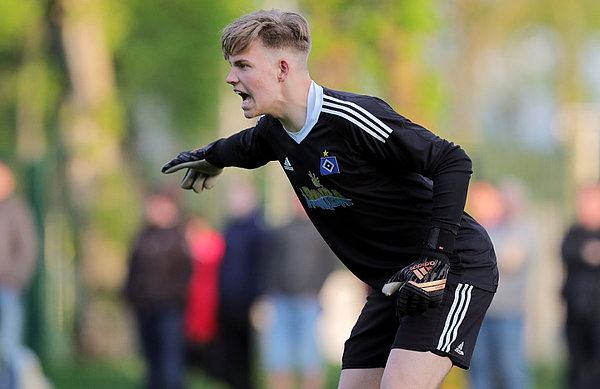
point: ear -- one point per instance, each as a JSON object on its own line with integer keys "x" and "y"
{"x": 284, "y": 70}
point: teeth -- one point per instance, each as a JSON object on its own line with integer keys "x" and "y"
{"x": 243, "y": 95}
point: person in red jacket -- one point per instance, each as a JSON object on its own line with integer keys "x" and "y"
{"x": 207, "y": 247}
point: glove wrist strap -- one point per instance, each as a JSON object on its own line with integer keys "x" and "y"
{"x": 440, "y": 239}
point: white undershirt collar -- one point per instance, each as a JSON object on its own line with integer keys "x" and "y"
{"x": 314, "y": 103}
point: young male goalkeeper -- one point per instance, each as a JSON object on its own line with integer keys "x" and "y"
{"x": 386, "y": 194}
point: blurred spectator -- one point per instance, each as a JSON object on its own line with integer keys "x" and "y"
{"x": 298, "y": 263}
{"x": 156, "y": 287}
{"x": 240, "y": 278}
{"x": 201, "y": 323}
{"x": 18, "y": 247}
{"x": 581, "y": 291}
{"x": 499, "y": 359}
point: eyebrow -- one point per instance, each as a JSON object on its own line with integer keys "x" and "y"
{"x": 240, "y": 62}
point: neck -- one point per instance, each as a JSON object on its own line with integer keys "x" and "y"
{"x": 295, "y": 95}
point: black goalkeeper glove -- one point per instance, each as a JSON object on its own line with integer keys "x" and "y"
{"x": 200, "y": 175}
{"x": 420, "y": 285}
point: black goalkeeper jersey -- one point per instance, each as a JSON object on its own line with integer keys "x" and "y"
{"x": 373, "y": 183}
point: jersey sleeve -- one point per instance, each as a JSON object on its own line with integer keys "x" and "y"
{"x": 407, "y": 147}
{"x": 247, "y": 149}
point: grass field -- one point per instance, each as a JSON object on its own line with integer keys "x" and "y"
{"x": 126, "y": 374}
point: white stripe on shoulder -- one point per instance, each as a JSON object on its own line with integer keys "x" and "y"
{"x": 352, "y": 111}
{"x": 360, "y": 109}
{"x": 351, "y": 119}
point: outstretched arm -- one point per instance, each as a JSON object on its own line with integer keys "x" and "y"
{"x": 247, "y": 149}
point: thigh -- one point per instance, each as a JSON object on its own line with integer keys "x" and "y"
{"x": 361, "y": 378}
{"x": 408, "y": 369}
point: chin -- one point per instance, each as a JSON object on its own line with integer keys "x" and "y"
{"x": 251, "y": 113}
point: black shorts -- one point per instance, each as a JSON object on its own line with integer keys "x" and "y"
{"x": 449, "y": 330}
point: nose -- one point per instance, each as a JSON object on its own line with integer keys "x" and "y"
{"x": 231, "y": 78}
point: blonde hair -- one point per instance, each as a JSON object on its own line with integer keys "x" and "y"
{"x": 276, "y": 29}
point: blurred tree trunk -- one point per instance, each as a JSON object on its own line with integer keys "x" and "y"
{"x": 92, "y": 125}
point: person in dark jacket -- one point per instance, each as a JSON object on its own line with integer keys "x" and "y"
{"x": 240, "y": 283}
{"x": 581, "y": 291}
{"x": 156, "y": 288}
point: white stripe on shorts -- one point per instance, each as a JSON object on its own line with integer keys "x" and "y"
{"x": 458, "y": 310}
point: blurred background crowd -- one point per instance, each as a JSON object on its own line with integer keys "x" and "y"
{"x": 111, "y": 277}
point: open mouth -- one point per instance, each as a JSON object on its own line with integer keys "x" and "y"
{"x": 244, "y": 96}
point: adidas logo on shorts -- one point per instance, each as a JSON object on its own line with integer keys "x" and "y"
{"x": 459, "y": 349}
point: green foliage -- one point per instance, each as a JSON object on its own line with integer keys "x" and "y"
{"x": 16, "y": 19}
{"x": 173, "y": 50}
{"x": 377, "y": 41}
{"x": 116, "y": 221}
{"x": 118, "y": 22}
